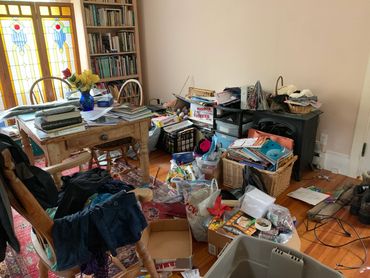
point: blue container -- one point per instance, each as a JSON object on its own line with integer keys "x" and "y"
{"x": 86, "y": 101}
{"x": 224, "y": 140}
{"x": 183, "y": 158}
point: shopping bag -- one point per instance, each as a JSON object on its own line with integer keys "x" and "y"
{"x": 197, "y": 202}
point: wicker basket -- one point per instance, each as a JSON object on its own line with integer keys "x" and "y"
{"x": 297, "y": 109}
{"x": 233, "y": 173}
{"x": 200, "y": 92}
{"x": 275, "y": 182}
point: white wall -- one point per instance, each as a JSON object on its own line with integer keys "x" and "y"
{"x": 321, "y": 45}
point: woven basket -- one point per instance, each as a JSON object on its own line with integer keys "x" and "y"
{"x": 297, "y": 109}
{"x": 275, "y": 182}
{"x": 200, "y": 92}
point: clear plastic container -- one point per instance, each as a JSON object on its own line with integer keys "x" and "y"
{"x": 232, "y": 129}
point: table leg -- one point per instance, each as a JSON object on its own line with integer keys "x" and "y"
{"x": 144, "y": 153}
{"x": 26, "y": 145}
{"x": 54, "y": 154}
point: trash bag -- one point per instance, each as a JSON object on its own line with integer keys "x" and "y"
{"x": 197, "y": 201}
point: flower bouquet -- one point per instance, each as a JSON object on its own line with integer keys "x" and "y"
{"x": 83, "y": 82}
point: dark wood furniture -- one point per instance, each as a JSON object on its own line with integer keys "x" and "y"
{"x": 299, "y": 127}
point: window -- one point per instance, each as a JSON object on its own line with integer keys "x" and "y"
{"x": 37, "y": 39}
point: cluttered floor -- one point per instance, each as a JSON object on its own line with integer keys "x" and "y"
{"x": 335, "y": 243}
{"x": 326, "y": 243}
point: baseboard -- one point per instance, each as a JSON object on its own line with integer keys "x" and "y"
{"x": 338, "y": 163}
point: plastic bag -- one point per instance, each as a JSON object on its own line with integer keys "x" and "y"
{"x": 197, "y": 200}
{"x": 280, "y": 217}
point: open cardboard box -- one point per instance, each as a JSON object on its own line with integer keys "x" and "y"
{"x": 169, "y": 243}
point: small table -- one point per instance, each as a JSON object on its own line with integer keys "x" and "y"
{"x": 57, "y": 149}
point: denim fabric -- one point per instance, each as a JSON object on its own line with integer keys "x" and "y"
{"x": 106, "y": 226}
{"x": 80, "y": 186}
{"x": 119, "y": 220}
{"x": 71, "y": 239}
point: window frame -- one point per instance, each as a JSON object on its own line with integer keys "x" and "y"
{"x": 8, "y": 91}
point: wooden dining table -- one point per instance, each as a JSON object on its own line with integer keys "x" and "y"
{"x": 56, "y": 149}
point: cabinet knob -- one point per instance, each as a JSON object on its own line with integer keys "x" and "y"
{"x": 104, "y": 137}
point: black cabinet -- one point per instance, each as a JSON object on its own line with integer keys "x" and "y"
{"x": 299, "y": 127}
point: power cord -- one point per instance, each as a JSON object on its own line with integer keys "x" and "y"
{"x": 340, "y": 222}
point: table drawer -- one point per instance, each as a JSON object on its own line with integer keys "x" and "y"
{"x": 93, "y": 138}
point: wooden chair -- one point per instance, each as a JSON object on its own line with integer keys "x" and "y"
{"x": 123, "y": 144}
{"x": 25, "y": 203}
{"x": 56, "y": 84}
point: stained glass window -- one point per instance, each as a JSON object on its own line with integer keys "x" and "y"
{"x": 21, "y": 54}
{"x": 59, "y": 45}
{"x": 24, "y": 62}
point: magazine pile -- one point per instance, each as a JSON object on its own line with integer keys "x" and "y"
{"x": 259, "y": 152}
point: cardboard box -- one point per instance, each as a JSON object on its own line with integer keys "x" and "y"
{"x": 218, "y": 241}
{"x": 169, "y": 243}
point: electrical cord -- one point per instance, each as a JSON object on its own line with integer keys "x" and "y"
{"x": 340, "y": 222}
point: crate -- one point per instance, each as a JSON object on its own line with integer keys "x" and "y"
{"x": 179, "y": 141}
{"x": 275, "y": 182}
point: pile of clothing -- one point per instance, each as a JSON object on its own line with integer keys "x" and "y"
{"x": 92, "y": 214}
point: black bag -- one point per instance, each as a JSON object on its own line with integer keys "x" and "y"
{"x": 37, "y": 181}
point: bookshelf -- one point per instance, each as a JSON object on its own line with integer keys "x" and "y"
{"x": 112, "y": 39}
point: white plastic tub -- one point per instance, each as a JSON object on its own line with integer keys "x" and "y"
{"x": 257, "y": 258}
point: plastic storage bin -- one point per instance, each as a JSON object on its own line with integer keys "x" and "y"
{"x": 234, "y": 122}
{"x": 232, "y": 129}
{"x": 207, "y": 167}
{"x": 257, "y": 258}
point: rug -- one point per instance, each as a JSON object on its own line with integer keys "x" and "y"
{"x": 24, "y": 264}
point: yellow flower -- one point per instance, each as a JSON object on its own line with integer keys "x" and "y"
{"x": 84, "y": 81}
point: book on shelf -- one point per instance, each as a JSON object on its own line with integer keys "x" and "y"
{"x": 106, "y": 40}
{"x": 112, "y": 66}
{"x": 40, "y": 123}
{"x": 113, "y": 16}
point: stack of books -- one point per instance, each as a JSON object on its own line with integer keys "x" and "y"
{"x": 131, "y": 112}
{"x": 260, "y": 153}
{"x": 59, "y": 121}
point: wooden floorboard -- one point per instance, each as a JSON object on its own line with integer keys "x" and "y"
{"x": 330, "y": 233}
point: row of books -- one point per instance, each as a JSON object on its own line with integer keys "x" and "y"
{"x": 109, "y": 16}
{"x": 112, "y": 66}
{"x": 124, "y": 41}
{"x": 267, "y": 155}
{"x": 59, "y": 121}
{"x": 129, "y": 112}
{"x": 113, "y": 1}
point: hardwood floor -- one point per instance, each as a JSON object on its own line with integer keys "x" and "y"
{"x": 330, "y": 233}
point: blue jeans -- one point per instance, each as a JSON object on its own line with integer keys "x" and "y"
{"x": 116, "y": 222}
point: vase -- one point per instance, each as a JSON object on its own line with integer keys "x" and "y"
{"x": 86, "y": 101}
